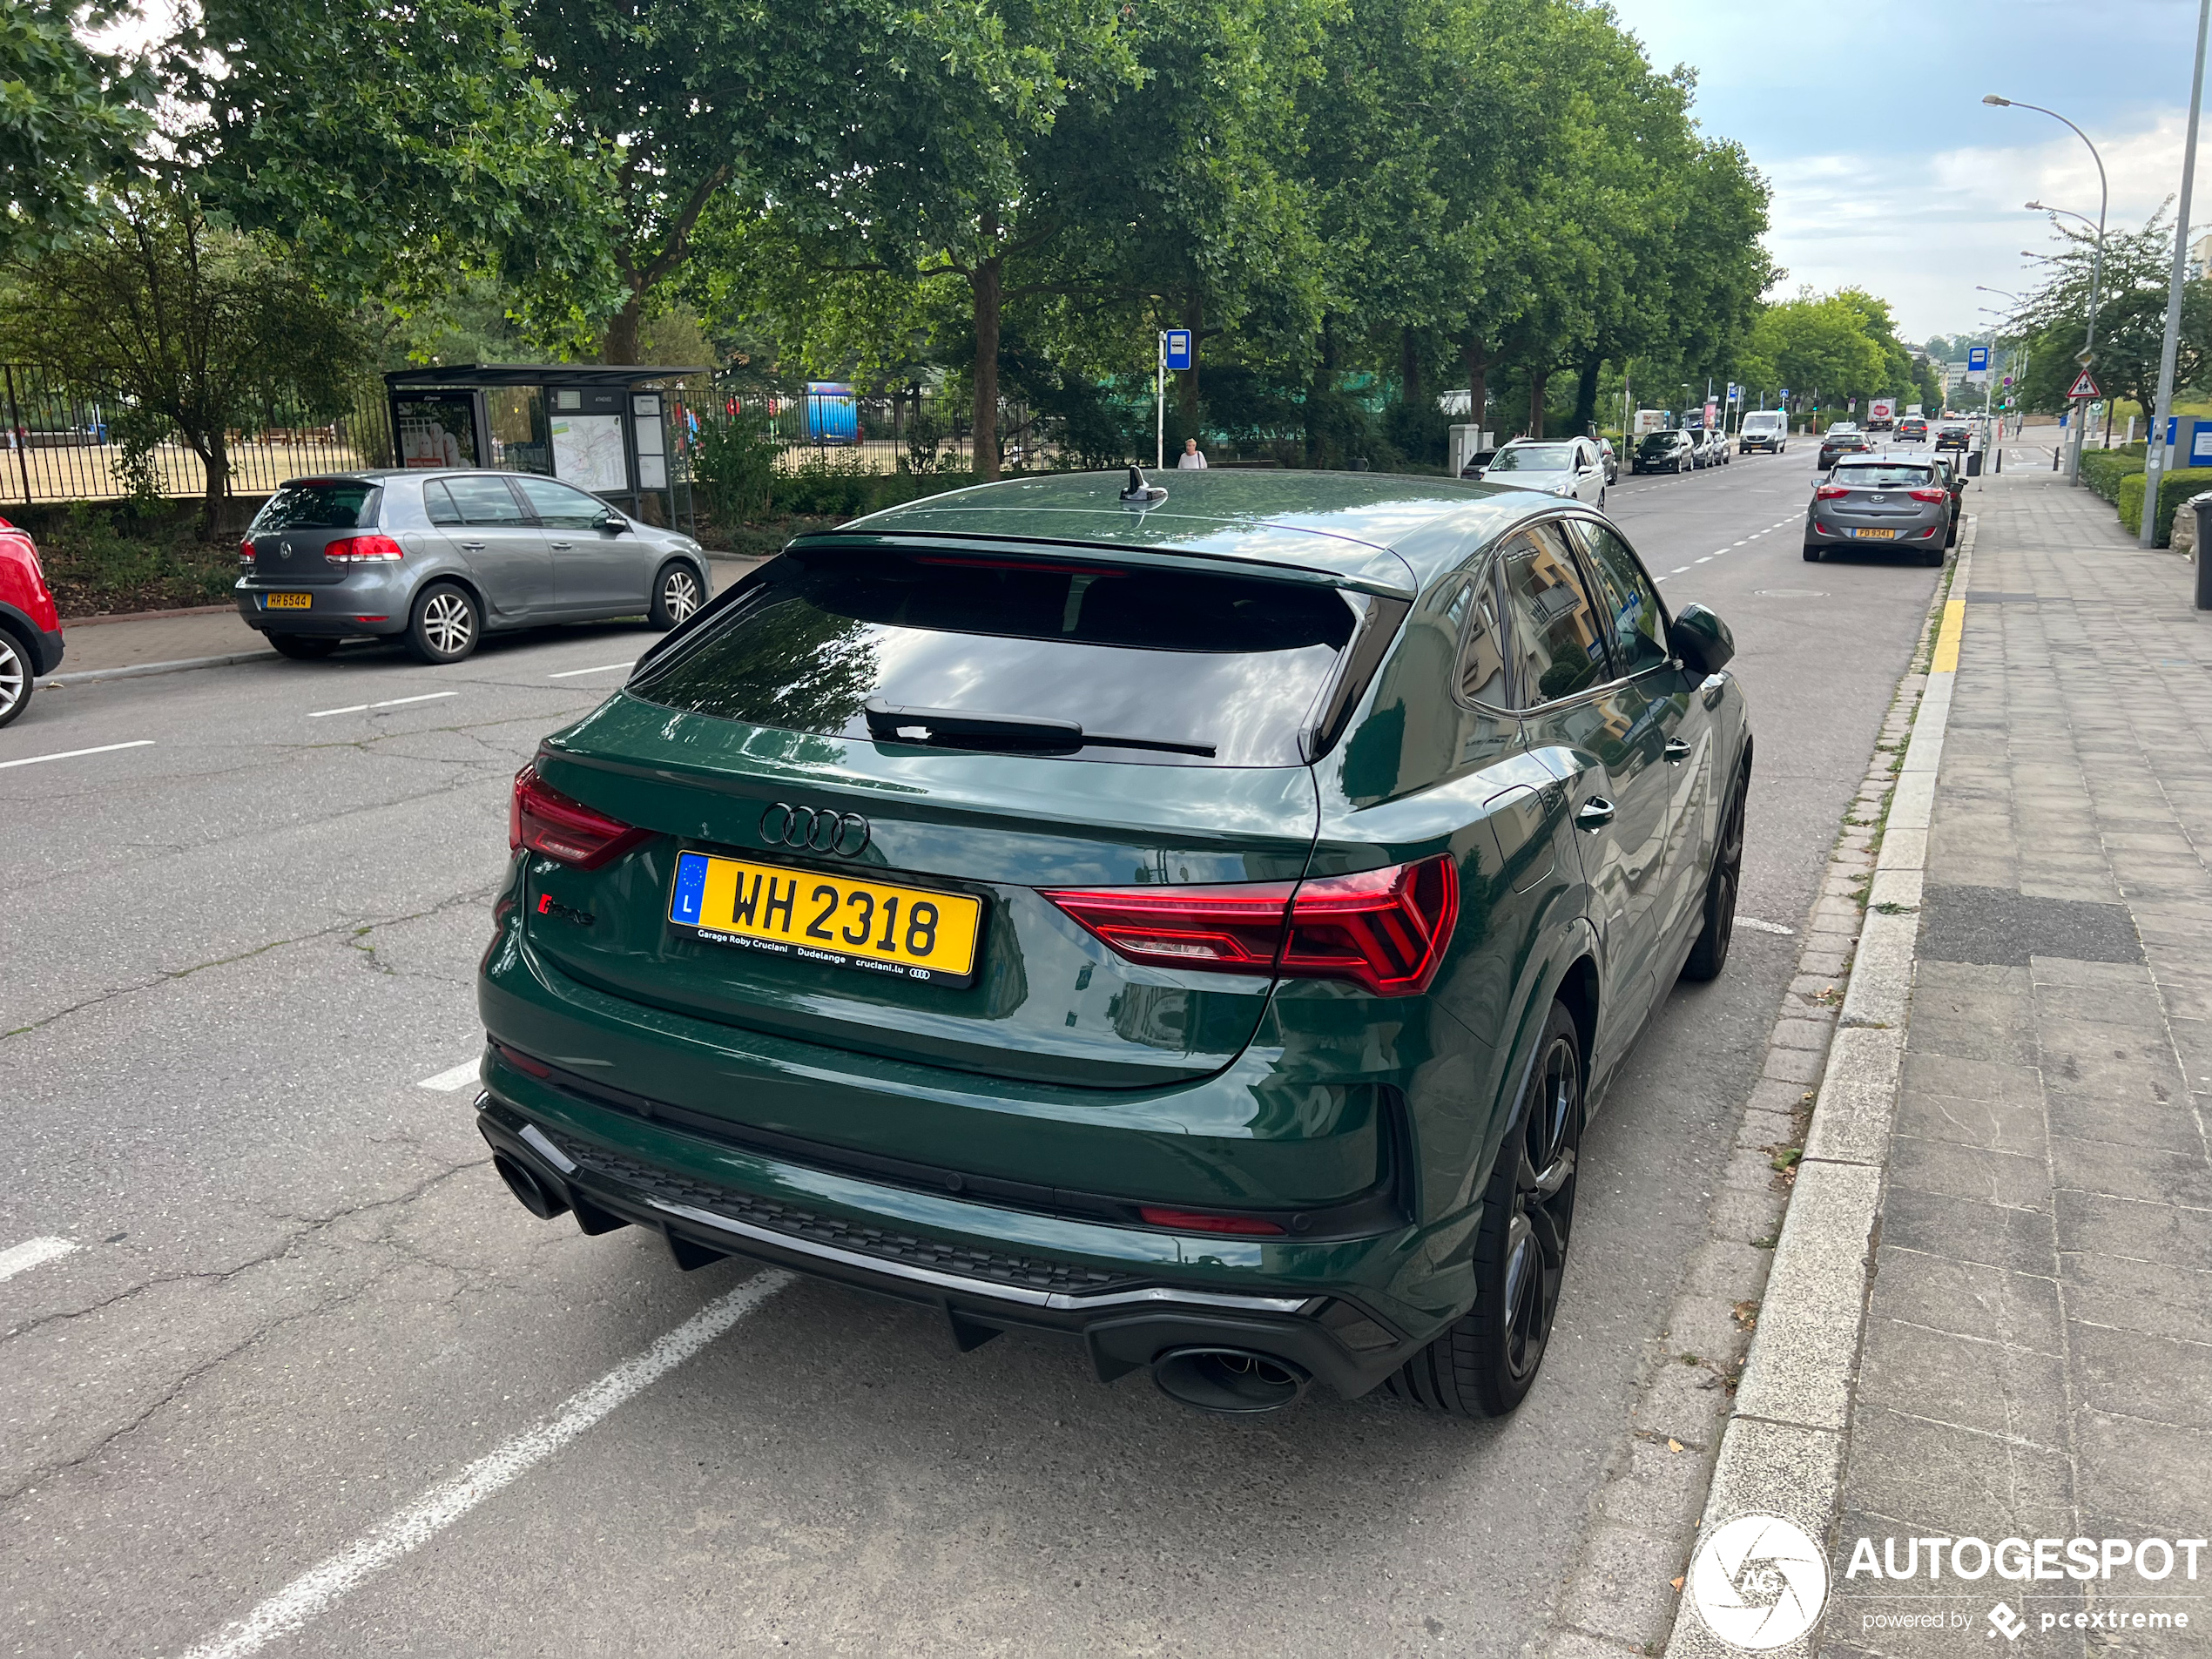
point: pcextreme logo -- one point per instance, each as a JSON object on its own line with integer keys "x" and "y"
{"x": 1758, "y": 1581}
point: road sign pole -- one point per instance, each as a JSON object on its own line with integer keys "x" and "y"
{"x": 1160, "y": 405}
{"x": 2155, "y": 451}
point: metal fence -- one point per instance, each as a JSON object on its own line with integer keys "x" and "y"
{"x": 869, "y": 432}
{"x": 59, "y": 446}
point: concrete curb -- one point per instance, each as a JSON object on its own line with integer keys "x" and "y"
{"x": 139, "y": 670}
{"x": 1781, "y": 1453}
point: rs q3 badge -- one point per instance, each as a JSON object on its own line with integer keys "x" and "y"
{"x": 814, "y": 829}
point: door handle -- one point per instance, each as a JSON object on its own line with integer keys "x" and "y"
{"x": 1676, "y": 752}
{"x": 472, "y": 547}
{"x": 1596, "y": 813}
{"x": 561, "y": 547}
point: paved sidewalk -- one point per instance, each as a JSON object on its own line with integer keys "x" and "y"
{"x": 2038, "y": 1350}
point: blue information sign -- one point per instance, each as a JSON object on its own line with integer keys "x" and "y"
{"x": 1178, "y": 348}
{"x": 1976, "y": 359}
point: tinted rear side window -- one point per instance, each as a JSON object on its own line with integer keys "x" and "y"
{"x": 1234, "y": 663}
{"x": 334, "y": 503}
{"x": 1556, "y": 634}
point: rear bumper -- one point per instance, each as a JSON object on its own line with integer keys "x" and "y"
{"x": 1918, "y": 533}
{"x": 1125, "y": 1314}
{"x": 47, "y": 650}
{"x": 373, "y": 601}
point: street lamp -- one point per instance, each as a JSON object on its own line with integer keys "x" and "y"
{"x": 2096, "y": 263}
{"x": 2155, "y": 450}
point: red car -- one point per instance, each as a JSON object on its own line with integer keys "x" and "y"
{"x": 31, "y": 626}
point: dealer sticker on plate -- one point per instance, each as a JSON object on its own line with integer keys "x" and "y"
{"x": 812, "y": 915}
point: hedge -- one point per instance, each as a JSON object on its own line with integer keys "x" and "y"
{"x": 2103, "y": 469}
{"x": 2173, "y": 489}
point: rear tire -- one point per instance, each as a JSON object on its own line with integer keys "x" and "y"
{"x": 1486, "y": 1361}
{"x": 444, "y": 624}
{"x": 302, "y": 648}
{"x": 1710, "y": 954}
{"x": 1932, "y": 556}
{"x": 1812, "y": 553}
{"x": 677, "y": 594}
{"x": 16, "y": 680}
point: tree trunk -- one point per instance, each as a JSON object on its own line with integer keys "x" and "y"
{"x": 1478, "y": 362}
{"x": 1586, "y": 394}
{"x": 985, "y": 285}
{"x": 1324, "y": 378}
{"x": 1194, "y": 311}
{"x": 621, "y": 344}
{"x": 215, "y": 460}
{"x": 1409, "y": 369}
{"x": 1537, "y": 377}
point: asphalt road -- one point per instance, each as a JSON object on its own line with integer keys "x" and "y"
{"x": 307, "y": 1376}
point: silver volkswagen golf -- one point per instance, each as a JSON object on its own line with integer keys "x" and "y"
{"x": 443, "y": 557}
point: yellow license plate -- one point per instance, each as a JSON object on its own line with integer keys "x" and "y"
{"x": 812, "y": 915}
{"x": 289, "y": 601}
{"x": 1875, "y": 536}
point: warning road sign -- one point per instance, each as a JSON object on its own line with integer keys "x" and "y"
{"x": 2083, "y": 387}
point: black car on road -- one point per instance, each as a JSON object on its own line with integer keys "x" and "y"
{"x": 1668, "y": 451}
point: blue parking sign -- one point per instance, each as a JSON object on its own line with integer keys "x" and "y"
{"x": 1178, "y": 348}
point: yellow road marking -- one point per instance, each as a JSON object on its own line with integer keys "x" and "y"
{"x": 1947, "y": 645}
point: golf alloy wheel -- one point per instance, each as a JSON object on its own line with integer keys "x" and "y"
{"x": 16, "y": 679}
{"x": 445, "y": 626}
{"x": 677, "y": 595}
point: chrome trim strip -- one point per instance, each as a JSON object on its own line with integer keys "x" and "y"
{"x": 544, "y": 1148}
{"x": 1058, "y": 1301}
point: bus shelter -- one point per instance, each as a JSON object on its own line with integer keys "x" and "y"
{"x": 609, "y": 429}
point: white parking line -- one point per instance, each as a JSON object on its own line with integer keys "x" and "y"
{"x": 438, "y": 1508}
{"x": 72, "y": 754}
{"x": 1765, "y": 927}
{"x": 21, "y": 1258}
{"x": 460, "y": 1077}
{"x": 571, "y": 674}
{"x": 388, "y": 703}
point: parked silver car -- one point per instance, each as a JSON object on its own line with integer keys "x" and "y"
{"x": 1890, "y": 500}
{"x": 1571, "y": 467}
{"x": 444, "y": 556}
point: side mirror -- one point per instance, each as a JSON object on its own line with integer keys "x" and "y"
{"x": 1702, "y": 640}
{"x": 614, "y": 521}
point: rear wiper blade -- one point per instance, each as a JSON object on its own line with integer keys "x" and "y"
{"x": 893, "y": 722}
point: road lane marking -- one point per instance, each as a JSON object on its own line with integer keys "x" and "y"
{"x": 1678, "y": 570}
{"x": 32, "y": 1252}
{"x": 72, "y": 754}
{"x": 388, "y": 703}
{"x": 571, "y": 674}
{"x": 1708, "y": 559}
{"x": 460, "y": 1077}
{"x": 1765, "y": 927}
{"x": 331, "y": 1581}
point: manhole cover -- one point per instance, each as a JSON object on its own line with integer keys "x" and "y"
{"x": 1792, "y": 593}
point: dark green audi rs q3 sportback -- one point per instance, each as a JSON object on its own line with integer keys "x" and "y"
{"x": 1198, "y": 920}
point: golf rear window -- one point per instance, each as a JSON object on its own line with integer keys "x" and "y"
{"x": 337, "y": 503}
{"x": 1234, "y": 663}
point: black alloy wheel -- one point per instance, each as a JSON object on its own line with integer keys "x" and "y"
{"x": 444, "y": 624}
{"x": 676, "y": 594}
{"x": 16, "y": 681}
{"x": 1710, "y": 954}
{"x": 1485, "y": 1362}
{"x": 303, "y": 648}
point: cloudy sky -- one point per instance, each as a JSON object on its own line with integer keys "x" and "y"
{"x": 1889, "y": 172}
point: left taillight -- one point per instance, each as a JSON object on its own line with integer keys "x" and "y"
{"x": 1384, "y": 930}
{"x": 245, "y": 550}
{"x": 540, "y": 817}
{"x": 364, "y": 550}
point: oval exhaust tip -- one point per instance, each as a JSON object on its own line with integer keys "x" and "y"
{"x": 528, "y": 1190}
{"x": 1235, "y": 1381}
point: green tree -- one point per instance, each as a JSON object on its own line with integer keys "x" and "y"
{"x": 184, "y": 326}
{"x": 71, "y": 118}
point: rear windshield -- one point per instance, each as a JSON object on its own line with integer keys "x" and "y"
{"x": 1231, "y": 664}
{"x": 1534, "y": 457}
{"x": 332, "y": 503}
{"x": 1658, "y": 440}
{"x": 1866, "y": 477}
{"x": 1761, "y": 421}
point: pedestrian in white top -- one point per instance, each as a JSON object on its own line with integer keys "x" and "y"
{"x": 1190, "y": 460}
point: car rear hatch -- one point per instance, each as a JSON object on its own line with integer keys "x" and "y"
{"x": 1878, "y": 495}
{"x": 291, "y": 536}
{"x": 862, "y": 733}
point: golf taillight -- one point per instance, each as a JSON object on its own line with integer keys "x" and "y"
{"x": 1829, "y": 492}
{"x": 1385, "y": 930}
{"x": 1930, "y": 495}
{"x": 364, "y": 550}
{"x": 547, "y": 822}
{"x": 245, "y": 551}
{"x": 1199, "y": 1221}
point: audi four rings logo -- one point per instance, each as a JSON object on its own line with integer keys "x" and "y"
{"x": 814, "y": 829}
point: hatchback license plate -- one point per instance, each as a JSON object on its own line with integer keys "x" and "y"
{"x": 1875, "y": 536}
{"x": 914, "y": 933}
{"x": 289, "y": 601}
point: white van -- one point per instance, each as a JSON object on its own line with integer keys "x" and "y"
{"x": 1764, "y": 429}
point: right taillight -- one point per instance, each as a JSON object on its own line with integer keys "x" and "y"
{"x": 540, "y": 817}
{"x": 1385, "y": 930}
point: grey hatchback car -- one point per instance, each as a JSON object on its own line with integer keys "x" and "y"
{"x": 1891, "y": 501}
{"x": 443, "y": 557}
